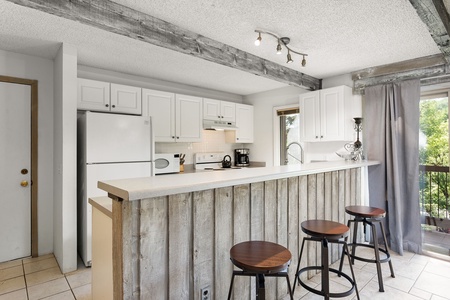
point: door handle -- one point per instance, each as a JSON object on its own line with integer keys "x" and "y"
{"x": 24, "y": 183}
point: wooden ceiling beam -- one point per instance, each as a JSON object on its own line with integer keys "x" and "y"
{"x": 435, "y": 15}
{"x": 432, "y": 68}
{"x": 115, "y": 18}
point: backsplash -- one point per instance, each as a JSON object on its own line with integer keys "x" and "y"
{"x": 213, "y": 141}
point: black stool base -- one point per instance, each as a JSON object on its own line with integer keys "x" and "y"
{"x": 260, "y": 282}
{"x": 321, "y": 293}
{"x": 382, "y": 260}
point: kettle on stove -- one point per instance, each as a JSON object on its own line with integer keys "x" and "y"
{"x": 226, "y": 161}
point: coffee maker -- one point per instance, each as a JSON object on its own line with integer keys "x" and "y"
{"x": 241, "y": 158}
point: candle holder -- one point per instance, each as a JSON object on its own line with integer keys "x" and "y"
{"x": 355, "y": 148}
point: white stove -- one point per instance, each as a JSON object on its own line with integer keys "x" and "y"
{"x": 210, "y": 161}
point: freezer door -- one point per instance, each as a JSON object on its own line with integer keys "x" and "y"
{"x": 95, "y": 173}
{"x": 117, "y": 138}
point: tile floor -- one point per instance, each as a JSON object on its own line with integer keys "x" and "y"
{"x": 40, "y": 278}
{"x": 416, "y": 277}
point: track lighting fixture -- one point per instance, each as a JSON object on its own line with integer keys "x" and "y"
{"x": 282, "y": 41}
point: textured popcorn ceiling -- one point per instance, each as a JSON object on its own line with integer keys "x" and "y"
{"x": 339, "y": 36}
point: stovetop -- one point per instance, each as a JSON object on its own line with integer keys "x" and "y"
{"x": 210, "y": 161}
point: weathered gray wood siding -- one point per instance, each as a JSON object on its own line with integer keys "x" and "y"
{"x": 173, "y": 246}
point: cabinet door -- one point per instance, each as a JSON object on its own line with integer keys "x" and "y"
{"x": 126, "y": 99}
{"x": 228, "y": 111}
{"x": 93, "y": 95}
{"x": 161, "y": 107}
{"x": 332, "y": 114}
{"x": 211, "y": 109}
{"x": 310, "y": 117}
{"x": 244, "y": 122}
{"x": 188, "y": 118}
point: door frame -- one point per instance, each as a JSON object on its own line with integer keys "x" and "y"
{"x": 34, "y": 156}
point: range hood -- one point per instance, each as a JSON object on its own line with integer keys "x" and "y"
{"x": 218, "y": 125}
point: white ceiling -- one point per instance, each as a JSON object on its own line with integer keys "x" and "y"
{"x": 339, "y": 37}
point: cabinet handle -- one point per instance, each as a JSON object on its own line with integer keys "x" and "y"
{"x": 317, "y": 136}
{"x": 178, "y": 137}
{"x": 113, "y": 106}
{"x": 321, "y": 136}
{"x": 107, "y": 105}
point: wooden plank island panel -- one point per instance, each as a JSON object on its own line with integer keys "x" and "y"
{"x": 171, "y": 247}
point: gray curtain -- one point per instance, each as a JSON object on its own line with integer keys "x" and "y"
{"x": 391, "y": 125}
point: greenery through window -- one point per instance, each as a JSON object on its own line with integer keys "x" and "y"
{"x": 434, "y": 156}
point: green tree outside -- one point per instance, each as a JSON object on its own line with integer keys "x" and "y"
{"x": 435, "y": 152}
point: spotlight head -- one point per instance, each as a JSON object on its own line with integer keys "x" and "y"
{"x": 289, "y": 58}
{"x": 258, "y": 40}
{"x": 279, "y": 48}
{"x": 303, "y": 61}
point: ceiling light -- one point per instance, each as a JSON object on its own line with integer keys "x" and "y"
{"x": 279, "y": 47}
{"x": 303, "y": 61}
{"x": 258, "y": 40}
{"x": 289, "y": 58}
{"x": 282, "y": 41}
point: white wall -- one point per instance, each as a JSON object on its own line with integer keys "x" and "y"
{"x": 30, "y": 67}
{"x": 263, "y": 103}
{"x": 65, "y": 158}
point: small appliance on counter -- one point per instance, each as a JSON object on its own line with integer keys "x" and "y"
{"x": 167, "y": 163}
{"x": 241, "y": 157}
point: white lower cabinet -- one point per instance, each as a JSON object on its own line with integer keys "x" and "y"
{"x": 108, "y": 97}
{"x": 244, "y": 123}
{"x": 327, "y": 115}
{"x": 175, "y": 118}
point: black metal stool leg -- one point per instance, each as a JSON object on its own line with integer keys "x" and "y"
{"x": 298, "y": 266}
{"x": 345, "y": 250}
{"x": 377, "y": 256}
{"x": 355, "y": 234}
{"x": 387, "y": 249}
{"x": 231, "y": 286}
{"x": 325, "y": 269}
{"x": 291, "y": 293}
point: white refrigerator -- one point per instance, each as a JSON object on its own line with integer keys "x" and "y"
{"x": 109, "y": 146}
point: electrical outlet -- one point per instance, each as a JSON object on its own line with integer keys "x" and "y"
{"x": 205, "y": 293}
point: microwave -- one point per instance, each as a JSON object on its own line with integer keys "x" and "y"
{"x": 167, "y": 163}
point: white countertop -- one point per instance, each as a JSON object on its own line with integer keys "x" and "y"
{"x": 148, "y": 187}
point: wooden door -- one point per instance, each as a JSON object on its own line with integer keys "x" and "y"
{"x": 15, "y": 171}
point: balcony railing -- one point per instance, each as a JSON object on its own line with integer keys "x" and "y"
{"x": 435, "y": 195}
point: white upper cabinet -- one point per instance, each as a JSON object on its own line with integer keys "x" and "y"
{"x": 161, "y": 107}
{"x": 109, "y": 97}
{"x": 126, "y": 99}
{"x": 327, "y": 115}
{"x": 244, "y": 123}
{"x": 175, "y": 118}
{"x": 219, "y": 110}
{"x": 93, "y": 95}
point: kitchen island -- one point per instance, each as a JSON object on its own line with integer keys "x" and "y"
{"x": 172, "y": 234}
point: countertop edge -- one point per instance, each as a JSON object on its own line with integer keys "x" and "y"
{"x": 103, "y": 204}
{"x": 150, "y": 187}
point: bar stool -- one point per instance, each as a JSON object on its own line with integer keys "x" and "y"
{"x": 326, "y": 232}
{"x": 260, "y": 259}
{"x": 369, "y": 216}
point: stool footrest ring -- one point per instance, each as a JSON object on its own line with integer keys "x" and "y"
{"x": 386, "y": 259}
{"x": 317, "y": 292}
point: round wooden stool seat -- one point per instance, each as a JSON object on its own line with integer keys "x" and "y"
{"x": 260, "y": 259}
{"x": 324, "y": 228}
{"x": 365, "y": 211}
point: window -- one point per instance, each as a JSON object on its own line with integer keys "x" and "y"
{"x": 290, "y": 149}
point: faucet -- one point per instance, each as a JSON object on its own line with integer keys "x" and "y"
{"x": 301, "y": 160}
